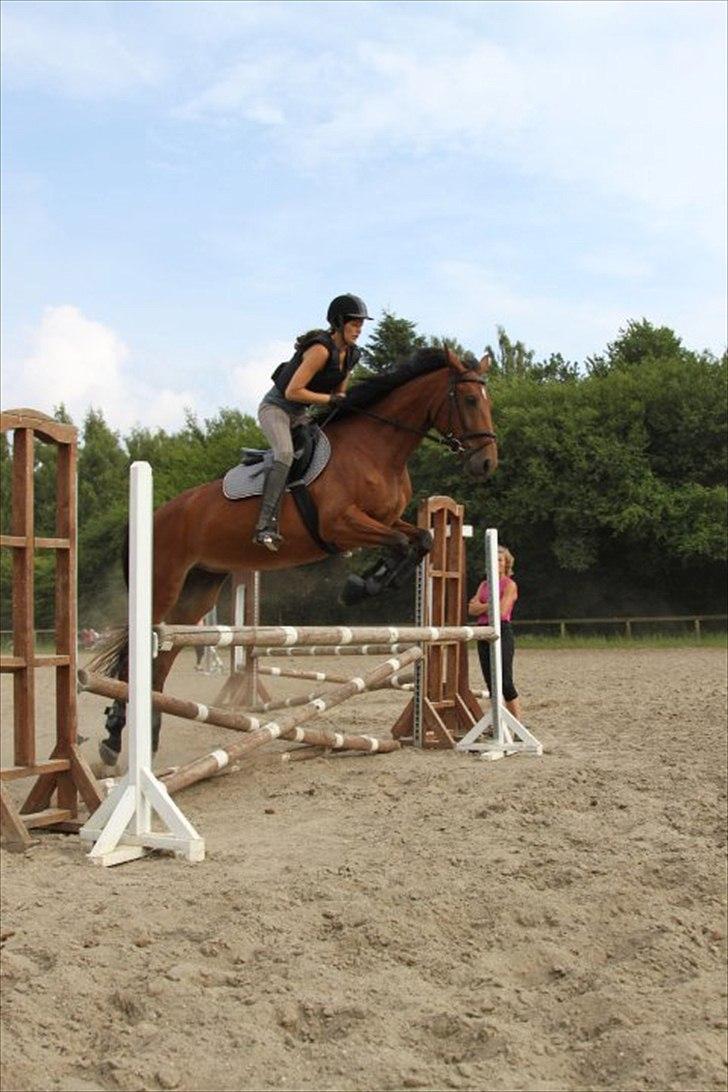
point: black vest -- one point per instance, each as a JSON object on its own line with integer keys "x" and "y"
{"x": 329, "y": 377}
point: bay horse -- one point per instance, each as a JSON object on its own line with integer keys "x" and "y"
{"x": 200, "y": 536}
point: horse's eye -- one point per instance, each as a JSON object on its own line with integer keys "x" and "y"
{"x": 471, "y": 400}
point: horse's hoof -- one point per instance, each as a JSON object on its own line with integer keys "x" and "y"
{"x": 102, "y": 771}
{"x": 107, "y": 755}
{"x": 354, "y": 590}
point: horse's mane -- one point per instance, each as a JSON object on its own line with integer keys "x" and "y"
{"x": 370, "y": 390}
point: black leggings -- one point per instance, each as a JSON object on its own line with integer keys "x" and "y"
{"x": 507, "y": 651}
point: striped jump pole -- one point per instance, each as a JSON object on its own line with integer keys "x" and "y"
{"x": 289, "y": 727}
{"x": 180, "y": 636}
{"x": 221, "y": 718}
{"x": 301, "y": 673}
{"x": 303, "y": 699}
{"x": 330, "y": 650}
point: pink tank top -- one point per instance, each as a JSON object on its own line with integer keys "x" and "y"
{"x": 482, "y": 619}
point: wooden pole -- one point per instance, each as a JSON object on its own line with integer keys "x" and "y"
{"x": 331, "y": 650}
{"x": 180, "y": 636}
{"x": 289, "y": 727}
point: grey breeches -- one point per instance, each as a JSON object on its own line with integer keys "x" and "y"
{"x": 277, "y": 425}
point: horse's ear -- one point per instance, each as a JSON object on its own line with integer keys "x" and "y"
{"x": 485, "y": 362}
{"x": 453, "y": 360}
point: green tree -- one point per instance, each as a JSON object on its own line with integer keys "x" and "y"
{"x": 103, "y": 468}
{"x": 638, "y": 343}
{"x": 510, "y": 358}
{"x": 391, "y": 342}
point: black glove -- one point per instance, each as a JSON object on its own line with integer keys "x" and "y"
{"x": 336, "y": 401}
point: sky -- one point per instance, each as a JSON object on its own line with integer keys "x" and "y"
{"x": 187, "y": 184}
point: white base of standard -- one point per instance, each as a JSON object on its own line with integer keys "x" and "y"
{"x": 121, "y": 826}
{"x": 512, "y": 738}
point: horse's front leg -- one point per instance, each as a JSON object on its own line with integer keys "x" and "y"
{"x": 421, "y": 539}
{"x": 406, "y": 543}
{"x": 354, "y": 528}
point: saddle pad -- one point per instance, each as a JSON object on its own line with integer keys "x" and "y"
{"x": 248, "y": 481}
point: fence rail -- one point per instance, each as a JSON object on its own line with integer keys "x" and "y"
{"x": 626, "y": 621}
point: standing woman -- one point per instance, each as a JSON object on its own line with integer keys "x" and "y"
{"x": 316, "y": 375}
{"x": 507, "y": 594}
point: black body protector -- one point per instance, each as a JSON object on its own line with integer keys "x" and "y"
{"x": 330, "y": 376}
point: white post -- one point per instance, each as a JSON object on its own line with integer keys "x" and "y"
{"x": 495, "y": 650}
{"x": 423, "y": 614}
{"x": 211, "y": 662}
{"x": 239, "y": 620}
{"x": 509, "y": 736}
{"x": 121, "y": 827}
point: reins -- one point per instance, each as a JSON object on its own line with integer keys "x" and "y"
{"x": 446, "y": 439}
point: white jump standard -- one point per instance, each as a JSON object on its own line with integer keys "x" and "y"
{"x": 121, "y": 827}
{"x": 510, "y": 737}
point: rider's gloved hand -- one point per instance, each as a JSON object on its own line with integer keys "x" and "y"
{"x": 337, "y": 400}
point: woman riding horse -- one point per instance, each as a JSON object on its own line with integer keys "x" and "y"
{"x": 316, "y": 375}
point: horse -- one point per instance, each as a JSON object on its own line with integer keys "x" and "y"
{"x": 200, "y": 536}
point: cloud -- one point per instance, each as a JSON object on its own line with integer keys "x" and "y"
{"x": 44, "y": 45}
{"x": 83, "y": 364}
{"x": 617, "y": 100}
{"x": 473, "y": 300}
{"x": 250, "y": 379}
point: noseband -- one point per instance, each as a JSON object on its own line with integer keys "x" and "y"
{"x": 457, "y": 444}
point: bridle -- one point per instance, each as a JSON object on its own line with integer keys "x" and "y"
{"x": 448, "y": 439}
{"x": 457, "y": 444}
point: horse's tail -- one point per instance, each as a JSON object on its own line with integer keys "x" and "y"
{"x": 112, "y": 655}
{"x": 113, "y": 651}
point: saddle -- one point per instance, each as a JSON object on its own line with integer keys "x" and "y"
{"x": 311, "y": 453}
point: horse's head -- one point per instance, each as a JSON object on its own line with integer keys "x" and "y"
{"x": 464, "y": 418}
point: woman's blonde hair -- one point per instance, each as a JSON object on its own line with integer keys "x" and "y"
{"x": 510, "y": 559}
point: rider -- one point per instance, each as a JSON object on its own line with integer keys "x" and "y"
{"x": 316, "y": 375}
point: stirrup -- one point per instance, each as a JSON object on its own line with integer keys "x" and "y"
{"x": 268, "y": 538}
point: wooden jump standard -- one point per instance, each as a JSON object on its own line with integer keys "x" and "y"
{"x": 65, "y": 773}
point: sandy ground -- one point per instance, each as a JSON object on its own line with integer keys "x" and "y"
{"x": 414, "y": 920}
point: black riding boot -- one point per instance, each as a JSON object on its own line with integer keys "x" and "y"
{"x": 266, "y": 529}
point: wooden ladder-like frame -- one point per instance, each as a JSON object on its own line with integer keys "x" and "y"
{"x": 449, "y": 709}
{"x": 65, "y": 773}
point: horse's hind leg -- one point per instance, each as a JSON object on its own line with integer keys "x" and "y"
{"x": 179, "y": 598}
{"x": 198, "y": 596}
{"x": 110, "y": 748}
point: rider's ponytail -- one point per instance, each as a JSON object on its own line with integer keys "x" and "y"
{"x": 304, "y": 341}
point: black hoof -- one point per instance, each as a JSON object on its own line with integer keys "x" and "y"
{"x": 356, "y": 589}
{"x": 107, "y": 754}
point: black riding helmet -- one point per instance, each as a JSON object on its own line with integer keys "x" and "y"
{"x": 346, "y": 307}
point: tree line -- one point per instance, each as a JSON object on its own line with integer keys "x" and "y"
{"x": 611, "y": 488}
